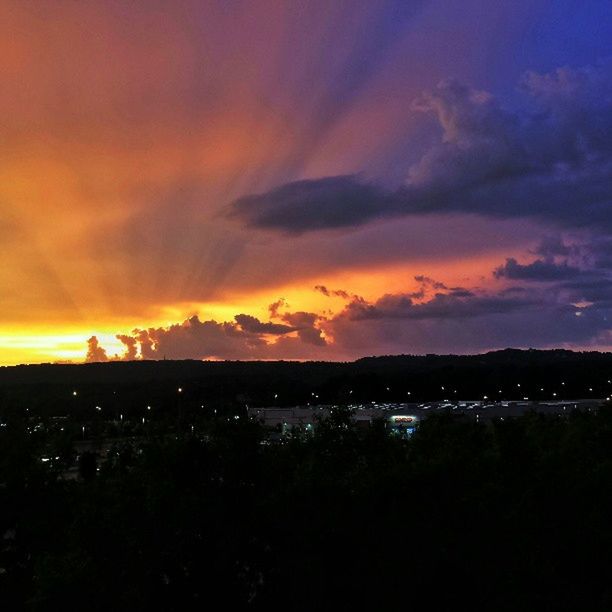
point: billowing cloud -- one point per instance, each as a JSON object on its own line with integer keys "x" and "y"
{"x": 253, "y": 325}
{"x": 131, "y": 347}
{"x": 538, "y": 270}
{"x": 95, "y": 352}
{"x": 245, "y": 338}
{"x": 452, "y": 305}
{"x": 569, "y": 309}
{"x": 551, "y": 160}
{"x": 305, "y": 325}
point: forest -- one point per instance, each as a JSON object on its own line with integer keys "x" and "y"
{"x": 500, "y": 515}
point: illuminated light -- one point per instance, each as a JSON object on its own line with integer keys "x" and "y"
{"x": 148, "y": 407}
{"x": 74, "y": 393}
{"x": 180, "y": 389}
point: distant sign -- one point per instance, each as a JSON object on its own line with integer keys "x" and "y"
{"x": 403, "y": 420}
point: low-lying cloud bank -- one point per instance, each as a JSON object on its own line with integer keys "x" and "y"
{"x": 550, "y": 160}
{"x": 562, "y": 298}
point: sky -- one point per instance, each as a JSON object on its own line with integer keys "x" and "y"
{"x": 303, "y": 180}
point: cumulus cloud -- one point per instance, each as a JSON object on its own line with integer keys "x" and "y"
{"x": 572, "y": 308}
{"x": 131, "y": 347}
{"x": 305, "y": 325}
{"x": 550, "y": 160}
{"x": 253, "y": 325}
{"x": 538, "y": 270}
{"x": 95, "y": 352}
{"x": 247, "y": 337}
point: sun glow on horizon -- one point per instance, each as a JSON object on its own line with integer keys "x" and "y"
{"x": 45, "y": 343}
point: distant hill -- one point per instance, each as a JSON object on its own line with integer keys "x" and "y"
{"x": 508, "y": 374}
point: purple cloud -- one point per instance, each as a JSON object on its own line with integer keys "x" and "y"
{"x": 551, "y": 160}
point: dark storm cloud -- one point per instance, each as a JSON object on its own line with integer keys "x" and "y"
{"x": 253, "y": 325}
{"x": 511, "y": 316}
{"x": 453, "y": 305}
{"x": 305, "y": 324}
{"x": 538, "y": 270}
{"x": 551, "y": 160}
{"x": 552, "y": 246}
{"x": 329, "y": 202}
{"x": 596, "y": 289}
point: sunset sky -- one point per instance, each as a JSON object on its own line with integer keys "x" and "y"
{"x": 303, "y": 179}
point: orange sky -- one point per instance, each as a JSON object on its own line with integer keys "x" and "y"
{"x": 129, "y": 129}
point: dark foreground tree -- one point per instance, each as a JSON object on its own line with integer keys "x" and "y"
{"x": 500, "y": 516}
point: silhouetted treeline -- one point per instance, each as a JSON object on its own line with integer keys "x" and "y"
{"x": 128, "y": 387}
{"x": 507, "y": 515}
